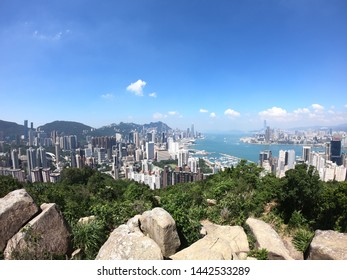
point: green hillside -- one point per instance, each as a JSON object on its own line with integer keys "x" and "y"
{"x": 295, "y": 205}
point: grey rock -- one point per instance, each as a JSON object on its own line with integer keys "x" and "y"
{"x": 126, "y": 244}
{"x": 16, "y": 209}
{"x": 86, "y": 220}
{"x": 161, "y": 227}
{"x": 267, "y": 238}
{"x": 207, "y": 248}
{"x": 328, "y": 245}
{"x": 44, "y": 236}
{"x": 235, "y": 236}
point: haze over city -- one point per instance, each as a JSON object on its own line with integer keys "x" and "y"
{"x": 222, "y": 65}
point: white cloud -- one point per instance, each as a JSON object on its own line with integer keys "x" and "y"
{"x": 158, "y": 116}
{"x": 213, "y": 115}
{"x": 274, "y": 112}
{"x": 231, "y": 113}
{"x": 317, "y": 107}
{"x": 137, "y": 87}
{"x": 107, "y": 96}
{"x": 173, "y": 113}
{"x": 153, "y": 94}
{"x": 345, "y": 105}
{"x": 50, "y": 37}
{"x": 203, "y": 111}
{"x": 302, "y": 111}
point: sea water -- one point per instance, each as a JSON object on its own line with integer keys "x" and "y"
{"x": 219, "y": 144}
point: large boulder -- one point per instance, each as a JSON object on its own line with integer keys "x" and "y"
{"x": 328, "y": 245}
{"x": 207, "y": 248}
{"x": 161, "y": 227}
{"x": 127, "y": 242}
{"x": 45, "y": 236}
{"x": 16, "y": 209}
{"x": 267, "y": 238}
{"x": 235, "y": 236}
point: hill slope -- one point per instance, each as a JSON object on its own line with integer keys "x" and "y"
{"x": 11, "y": 129}
{"x": 126, "y": 128}
{"x": 66, "y": 127}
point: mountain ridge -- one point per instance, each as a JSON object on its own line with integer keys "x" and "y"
{"x": 12, "y": 129}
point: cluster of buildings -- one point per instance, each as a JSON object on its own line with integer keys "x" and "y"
{"x": 132, "y": 156}
{"x": 270, "y": 135}
{"x": 330, "y": 163}
{"x": 39, "y": 157}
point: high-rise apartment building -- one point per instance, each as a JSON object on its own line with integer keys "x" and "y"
{"x": 41, "y": 159}
{"x": 183, "y": 156}
{"x": 31, "y": 159}
{"x": 14, "y": 158}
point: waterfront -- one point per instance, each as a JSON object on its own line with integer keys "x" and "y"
{"x": 225, "y": 147}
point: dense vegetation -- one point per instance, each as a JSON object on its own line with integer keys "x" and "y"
{"x": 170, "y": 162}
{"x": 295, "y": 205}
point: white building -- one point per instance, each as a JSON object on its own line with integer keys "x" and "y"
{"x": 183, "y": 156}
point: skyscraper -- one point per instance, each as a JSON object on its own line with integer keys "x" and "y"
{"x": 336, "y": 155}
{"x": 291, "y": 159}
{"x": 14, "y": 157}
{"x": 41, "y": 159}
{"x": 306, "y": 152}
{"x": 31, "y": 158}
{"x": 183, "y": 156}
{"x": 150, "y": 150}
{"x": 26, "y": 130}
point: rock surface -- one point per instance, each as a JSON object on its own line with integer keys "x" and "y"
{"x": 16, "y": 209}
{"x": 44, "y": 236}
{"x": 267, "y": 238}
{"x": 328, "y": 245}
{"x": 86, "y": 220}
{"x": 128, "y": 243}
{"x": 161, "y": 227}
{"x": 235, "y": 236}
{"x": 207, "y": 248}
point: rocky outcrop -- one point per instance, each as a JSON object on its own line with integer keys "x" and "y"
{"x": 235, "y": 236}
{"x": 267, "y": 238}
{"x": 211, "y": 202}
{"x": 207, "y": 248}
{"x": 86, "y": 220}
{"x": 127, "y": 242}
{"x": 161, "y": 227}
{"x": 44, "y": 236}
{"x": 328, "y": 245}
{"x": 16, "y": 209}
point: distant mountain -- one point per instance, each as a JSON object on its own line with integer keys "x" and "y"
{"x": 340, "y": 127}
{"x": 126, "y": 128}
{"x": 11, "y": 129}
{"x": 67, "y": 128}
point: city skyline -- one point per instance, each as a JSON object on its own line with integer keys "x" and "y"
{"x": 222, "y": 65}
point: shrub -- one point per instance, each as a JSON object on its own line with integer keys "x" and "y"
{"x": 89, "y": 237}
{"x": 259, "y": 254}
{"x": 302, "y": 239}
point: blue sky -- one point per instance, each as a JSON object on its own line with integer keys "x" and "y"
{"x": 220, "y": 64}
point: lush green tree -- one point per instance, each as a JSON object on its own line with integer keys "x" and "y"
{"x": 9, "y": 184}
{"x": 300, "y": 191}
{"x": 332, "y": 213}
